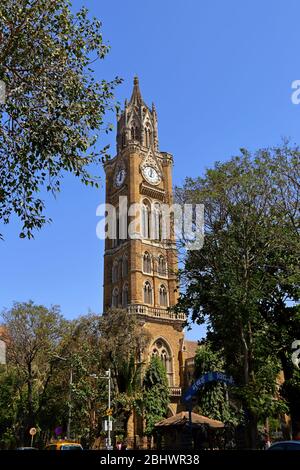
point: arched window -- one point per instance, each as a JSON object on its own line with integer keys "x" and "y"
{"x": 162, "y": 266}
{"x": 149, "y": 138}
{"x": 157, "y": 222}
{"x": 146, "y": 213}
{"x": 163, "y": 296}
{"x": 147, "y": 263}
{"x": 147, "y": 293}
{"x": 117, "y": 226}
{"x": 146, "y": 137}
{"x": 133, "y": 133}
{"x": 115, "y": 298}
{"x": 125, "y": 296}
{"x": 161, "y": 349}
{"x": 115, "y": 271}
{"x": 125, "y": 266}
{"x": 122, "y": 222}
{"x": 123, "y": 139}
{"x": 164, "y": 358}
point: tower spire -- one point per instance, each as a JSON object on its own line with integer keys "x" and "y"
{"x": 137, "y": 123}
{"x": 136, "y": 96}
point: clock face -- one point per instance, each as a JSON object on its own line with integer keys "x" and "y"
{"x": 120, "y": 177}
{"x": 151, "y": 175}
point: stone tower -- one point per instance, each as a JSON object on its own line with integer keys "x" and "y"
{"x": 140, "y": 269}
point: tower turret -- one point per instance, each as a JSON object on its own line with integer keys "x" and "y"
{"x": 137, "y": 122}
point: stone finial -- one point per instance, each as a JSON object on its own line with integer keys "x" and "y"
{"x": 136, "y": 96}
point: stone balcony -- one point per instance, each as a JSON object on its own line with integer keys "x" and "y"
{"x": 155, "y": 312}
{"x": 175, "y": 391}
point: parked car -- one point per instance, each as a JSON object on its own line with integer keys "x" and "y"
{"x": 285, "y": 445}
{"x": 26, "y": 448}
{"x": 64, "y": 445}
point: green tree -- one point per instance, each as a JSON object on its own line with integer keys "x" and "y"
{"x": 54, "y": 107}
{"x": 83, "y": 351}
{"x": 32, "y": 333}
{"x": 212, "y": 397}
{"x": 122, "y": 343}
{"x": 155, "y": 395}
{"x": 79, "y": 353}
{"x": 248, "y": 259}
{"x": 10, "y": 388}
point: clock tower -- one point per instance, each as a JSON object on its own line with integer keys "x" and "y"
{"x": 140, "y": 263}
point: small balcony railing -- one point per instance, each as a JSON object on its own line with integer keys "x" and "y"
{"x": 155, "y": 312}
{"x": 175, "y": 391}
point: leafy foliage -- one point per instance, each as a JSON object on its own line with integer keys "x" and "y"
{"x": 156, "y": 394}
{"x": 212, "y": 397}
{"x": 54, "y": 106}
{"x": 122, "y": 344}
{"x": 248, "y": 269}
{"x": 10, "y": 388}
{"x": 32, "y": 334}
{"x": 43, "y": 351}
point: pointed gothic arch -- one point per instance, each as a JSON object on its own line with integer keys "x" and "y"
{"x": 133, "y": 132}
{"x": 147, "y": 264}
{"x": 148, "y": 135}
{"x": 162, "y": 266}
{"x": 157, "y": 221}
{"x": 163, "y": 296}
{"x": 115, "y": 298}
{"x": 147, "y": 292}
{"x": 146, "y": 218}
{"x": 114, "y": 275}
{"x": 162, "y": 349}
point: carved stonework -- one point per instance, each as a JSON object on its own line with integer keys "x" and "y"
{"x": 154, "y": 193}
{"x": 151, "y": 160}
{"x": 137, "y": 123}
{"x": 150, "y": 276}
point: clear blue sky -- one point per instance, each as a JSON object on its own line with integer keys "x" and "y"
{"x": 220, "y": 73}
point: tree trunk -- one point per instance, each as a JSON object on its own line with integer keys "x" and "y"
{"x": 251, "y": 426}
{"x": 252, "y": 434}
{"x": 30, "y": 416}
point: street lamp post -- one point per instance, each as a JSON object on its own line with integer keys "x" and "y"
{"x": 70, "y": 396}
{"x": 107, "y": 376}
{"x": 108, "y": 372}
{"x": 70, "y": 405}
